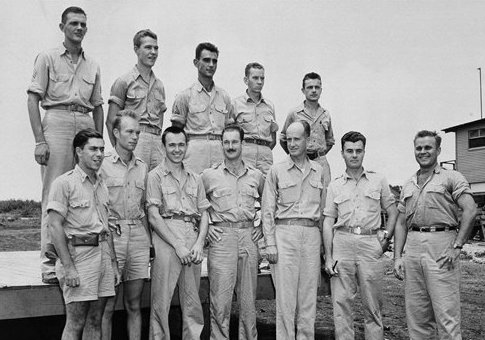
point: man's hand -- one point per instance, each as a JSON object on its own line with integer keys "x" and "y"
{"x": 117, "y": 272}
{"x": 184, "y": 255}
{"x": 399, "y": 268}
{"x": 448, "y": 257}
{"x": 331, "y": 266}
{"x": 71, "y": 276}
{"x": 196, "y": 253}
{"x": 257, "y": 234}
{"x": 272, "y": 254}
{"x": 42, "y": 153}
{"x": 383, "y": 240}
{"x": 214, "y": 234}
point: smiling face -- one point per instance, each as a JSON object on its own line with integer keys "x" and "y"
{"x": 175, "y": 146}
{"x": 91, "y": 155}
{"x": 426, "y": 152}
{"x": 128, "y": 133}
{"x": 353, "y": 154}
{"x": 232, "y": 145}
{"x": 206, "y": 64}
{"x": 74, "y": 28}
{"x": 147, "y": 52}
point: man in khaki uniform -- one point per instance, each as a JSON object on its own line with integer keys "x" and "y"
{"x": 233, "y": 187}
{"x": 291, "y": 212}
{"x": 177, "y": 211}
{"x": 67, "y": 84}
{"x": 141, "y": 91}
{"x": 256, "y": 115}
{"x": 202, "y": 111}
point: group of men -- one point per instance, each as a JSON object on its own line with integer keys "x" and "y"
{"x": 167, "y": 195}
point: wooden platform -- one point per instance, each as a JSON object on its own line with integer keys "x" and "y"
{"x": 23, "y": 295}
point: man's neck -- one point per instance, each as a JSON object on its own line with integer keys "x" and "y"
{"x": 236, "y": 166}
{"x": 355, "y": 173}
{"x": 207, "y": 83}
{"x": 125, "y": 155}
{"x": 426, "y": 171}
{"x": 256, "y": 97}
{"x": 73, "y": 49}
{"x": 92, "y": 175}
{"x": 312, "y": 105}
{"x": 300, "y": 160}
{"x": 145, "y": 71}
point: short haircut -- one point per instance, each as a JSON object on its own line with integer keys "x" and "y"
{"x": 72, "y": 9}
{"x": 250, "y": 66}
{"x": 82, "y": 138}
{"x": 142, "y": 34}
{"x": 427, "y": 133}
{"x": 306, "y": 127}
{"x": 175, "y": 130}
{"x": 308, "y": 76}
{"x": 234, "y": 127}
{"x": 353, "y": 137}
{"x": 124, "y": 113}
{"x": 205, "y": 46}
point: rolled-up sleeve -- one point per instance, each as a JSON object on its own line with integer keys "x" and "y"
{"x": 268, "y": 208}
{"x": 288, "y": 121}
{"x": 180, "y": 109}
{"x": 118, "y": 93}
{"x": 387, "y": 198}
{"x": 154, "y": 192}
{"x": 58, "y": 198}
{"x": 459, "y": 185}
{"x": 329, "y": 137}
{"x": 202, "y": 201}
{"x": 40, "y": 76}
{"x": 331, "y": 209}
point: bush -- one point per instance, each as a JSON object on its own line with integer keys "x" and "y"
{"x": 24, "y": 208}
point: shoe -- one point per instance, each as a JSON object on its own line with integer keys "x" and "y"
{"x": 50, "y": 278}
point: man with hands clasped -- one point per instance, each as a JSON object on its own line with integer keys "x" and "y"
{"x": 177, "y": 205}
{"x": 428, "y": 222}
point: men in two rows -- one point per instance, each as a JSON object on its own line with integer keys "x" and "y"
{"x": 66, "y": 82}
{"x": 140, "y": 90}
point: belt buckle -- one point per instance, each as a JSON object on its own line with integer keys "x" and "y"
{"x": 357, "y": 230}
{"x": 421, "y": 229}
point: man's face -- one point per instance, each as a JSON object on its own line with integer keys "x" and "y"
{"x": 353, "y": 154}
{"x": 255, "y": 80}
{"x": 232, "y": 145}
{"x": 296, "y": 140}
{"x": 75, "y": 28}
{"x": 147, "y": 53}
{"x": 127, "y": 135}
{"x": 312, "y": 90}
{"x": 206, "y": 64}
{"x": 175, "y": 146}
{"x": 91, "y": 156}
{"x": 426, "y": 152}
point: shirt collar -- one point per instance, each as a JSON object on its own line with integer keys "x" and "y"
{"x": 437, "y": 169}
{"x": 167, "y": 167}
{"x": 245, "y": 167}
{"x": 61, "y": 49}
{"x": 301, "y": 107}
{"x": 247, "y": 98}
{"x": 291, "y": 164}
{"x": 114, "y": 157}
{"x": 84, "y": 176}
{"x": 364, "y": 173}
{"x": 136, "y": 73}
{"x": 199, "y": 87}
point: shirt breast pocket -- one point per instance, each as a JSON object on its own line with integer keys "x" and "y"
{"x": 222, "y": 199}
{"x": 198, "y": 115}
{"x": 80, "y": 212}
{"x": 220, "y": 113}
{"x": 58, "y": 85}
{"x": 288, "y": 193}
{"x": 344, "y": 205}
{"x": 373, "y": 199}
{"x": 250, "y": 195}
{"x": 139, "y": 190}
{"x": 435, "y": 195}
{"x": 170, "y": 199}
{"x": 115, "y": 189}
{"x": 87, "y": 86}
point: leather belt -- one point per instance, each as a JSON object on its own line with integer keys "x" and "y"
{"x": 154, "y": 130}
{"x": 238, "y": 225}
{"x": 257, "y": 141}
{"x": 305, "y": 222}
{"x": 88, "y": 240}
{"x": 127, "y": 222}
{"x": 180, "y": 217}
{"x": 428, "y": 229}
{"x": 71, "y": 107}
{"x": 316, "y": 154}
{"x": 207, "y": 136}
{"x": 358, "y": 230}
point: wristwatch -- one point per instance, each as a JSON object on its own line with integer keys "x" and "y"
{"x": 457, "y": 246}
{"x": 386, "y": 236}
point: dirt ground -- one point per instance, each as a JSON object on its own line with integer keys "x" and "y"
{"x": 25, "y": 235}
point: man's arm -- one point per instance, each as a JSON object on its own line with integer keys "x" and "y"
{"x": 273, "y": 140}
{"x": 114, "y": 261}
{"x": 400, "y": 234}
{"x": 197, "y": 250}
{"x": 98, "y": 117}
{"x": 112, "y": 112}
{"x": 268, "y": 208}
{"x": 327, "y": 238}
{"x": 41, "y": 153}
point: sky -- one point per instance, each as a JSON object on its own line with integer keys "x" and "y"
{"x": 389, "y": 68}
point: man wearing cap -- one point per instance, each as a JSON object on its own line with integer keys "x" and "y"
{"x": 322, "y": 139}
{"x": 233, "y": 187}
{"x": 141, "y": 91}
{"x": 66, "y": 82}
{"x": 78, "y": 222}
{"x": 354, "y": 242}
{"x": 125, "y": 178}
{"x": 256, "y": 115}
{"x": 202, "y": 111}
{"x": 291, "y": 212}
{"x": 428, "y": 221}
{"x": 177, "y": 211}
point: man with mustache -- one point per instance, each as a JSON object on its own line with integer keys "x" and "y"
{"x": 67, "y": 84}
{"x": 125, "y": 176}
{"x": 202, "y": 111}
{"x": 428, "y": 222}
{"x": 233, "y": 187}
{"x": 78, "y": 222}
{"x": 141, "y": 91}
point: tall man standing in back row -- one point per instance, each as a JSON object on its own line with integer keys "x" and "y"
{"x": 202, "y": 111}
{"x": 141, "y": 91}
{"x": 291, "y": 212}
{"x": 256, "y": 115}
{"x": 66, "y": 82}
{"x": 322, "y": 139}
{"x": 428, "y": 219}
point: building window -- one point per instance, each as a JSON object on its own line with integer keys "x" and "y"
{"x": 476, "y": 138}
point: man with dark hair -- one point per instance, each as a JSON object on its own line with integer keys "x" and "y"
{"x": 126, "y": 177}
{"x": 177, "y": 211}
{"x": 428, "y": 221}
{"x": 256, "y": 115}
{"x": 322, "y": 139}
{"x": 66, "y": 82}
{"x": 291, "y": 212}
{"x": 140, "y": 90}
{"x": 78, "y": 222}
{"x": 354, "y": 241}
{"x": 202, "y": 111}
{"x": 233, "y": 187}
